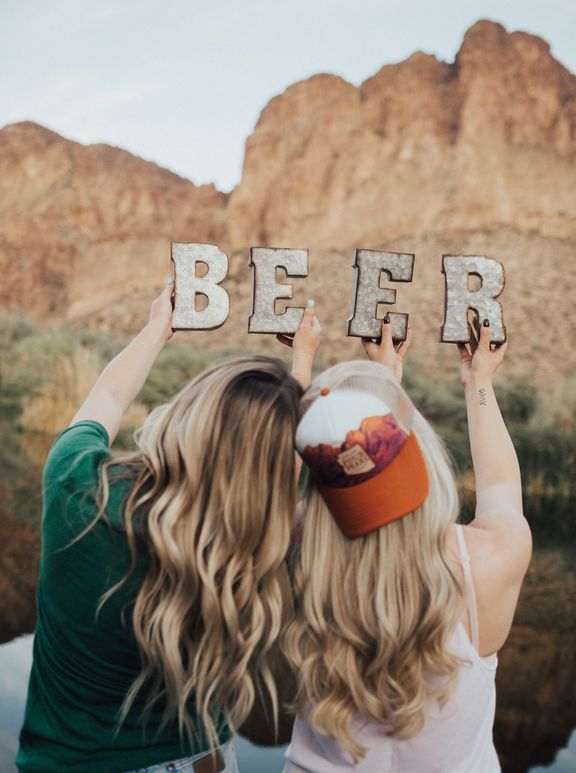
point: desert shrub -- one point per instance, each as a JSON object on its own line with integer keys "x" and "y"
{"x": 442, "y": 404}
{"x": 175, "y": 366}
{"x": 542, "y": 429}
{"x": 45, "y": 375}
{"x": 518, "y": 400}
{"x": 14, "y": 328}
{"x": 556, "y": 407}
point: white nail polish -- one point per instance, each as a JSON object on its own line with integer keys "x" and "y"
{"x": 310, "y": 304}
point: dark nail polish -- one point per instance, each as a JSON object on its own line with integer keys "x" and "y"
{"x": 486, "y": 323}
{"x": 387, "y": 319}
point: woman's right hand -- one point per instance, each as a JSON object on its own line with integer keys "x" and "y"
{"x": 480, "y": 361}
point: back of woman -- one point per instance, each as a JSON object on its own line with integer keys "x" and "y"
{"x": 151, "y": 614}
{"x": 396, "y": 665}
{"x": 159, "y": 598}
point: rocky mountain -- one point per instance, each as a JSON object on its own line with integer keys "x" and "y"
{"x": 77, "y": 221}
{"x": 473, "y": 156}
{"x": 476, "y": 156}
{"x": 422, "y": 146}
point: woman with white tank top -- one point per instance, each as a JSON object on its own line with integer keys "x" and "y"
{"x": 400, "y": 611}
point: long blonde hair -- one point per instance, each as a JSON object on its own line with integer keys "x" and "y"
{"x": 374, "y": 614}
{"x": 212, "y": 507}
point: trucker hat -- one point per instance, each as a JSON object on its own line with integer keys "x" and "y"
{"x": 356, "y": 438}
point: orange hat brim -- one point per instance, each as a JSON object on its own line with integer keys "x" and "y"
{"x": 393, "y": 493}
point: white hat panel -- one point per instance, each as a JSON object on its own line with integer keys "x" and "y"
{"x": 332, "y": 416}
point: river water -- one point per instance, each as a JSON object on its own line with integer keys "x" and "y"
{"x": 536, "y": 712}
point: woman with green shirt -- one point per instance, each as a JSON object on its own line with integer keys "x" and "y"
{"x": 159, "y": 598}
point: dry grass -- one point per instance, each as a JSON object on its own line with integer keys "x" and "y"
{"x": 50, "y": 409}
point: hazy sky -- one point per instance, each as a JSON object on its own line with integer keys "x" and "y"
{"x": 182, "y": 82}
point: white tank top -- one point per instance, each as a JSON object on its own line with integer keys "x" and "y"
{"x": 455, "y": 739}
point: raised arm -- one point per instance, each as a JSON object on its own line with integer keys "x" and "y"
{"x": 304, "y": 344}
{"x": 498, "y": 483}
{"x": 122, "y": 379}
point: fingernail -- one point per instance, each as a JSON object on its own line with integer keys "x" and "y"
{"x": 387, "y": 319}
{"x": 170, "y": 280}
{"x": 310, "y": 303}
{"x": 486, "y": 323}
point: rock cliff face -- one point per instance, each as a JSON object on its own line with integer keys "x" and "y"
{"x": 422, "y": 146}
{"x": 79, "y": 224}
{"x": 474, "y": 156}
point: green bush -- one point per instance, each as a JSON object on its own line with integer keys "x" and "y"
{"x": 542, "y": 429}
{"x": 175, "y": 366}
{"x": 31, "y": 360}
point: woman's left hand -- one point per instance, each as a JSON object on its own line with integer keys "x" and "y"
{"x": 161, "y": 309}
{"x": 385, "y": 352}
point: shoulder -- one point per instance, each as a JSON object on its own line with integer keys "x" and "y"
{"x": 75, "y": 456}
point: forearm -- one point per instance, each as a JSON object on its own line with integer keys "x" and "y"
{"x": 302, "y": 372}
{"x": 125, "y": 375}
{"x": 493, "y": 454}
{"x": 122, "y": 379}
{"x": 302, "y": 369}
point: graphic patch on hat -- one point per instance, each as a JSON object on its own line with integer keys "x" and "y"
{"x": 365, "y": 452}
{"x": 355, "y": 461}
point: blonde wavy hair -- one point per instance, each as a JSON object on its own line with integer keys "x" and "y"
{"x": 374, "y": 614}
{"x": 212, "y": 507}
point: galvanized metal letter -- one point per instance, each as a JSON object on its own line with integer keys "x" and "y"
{"x": 368, "y": 293}
{"x": 265, "y": 261}
{"x": 459, "y": 298}
{"x": 188, "y": 286}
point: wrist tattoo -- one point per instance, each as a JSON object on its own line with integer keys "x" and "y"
{"x": 482, "y": 396}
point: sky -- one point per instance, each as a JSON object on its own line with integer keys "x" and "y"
{"x": 182, "y": 82}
